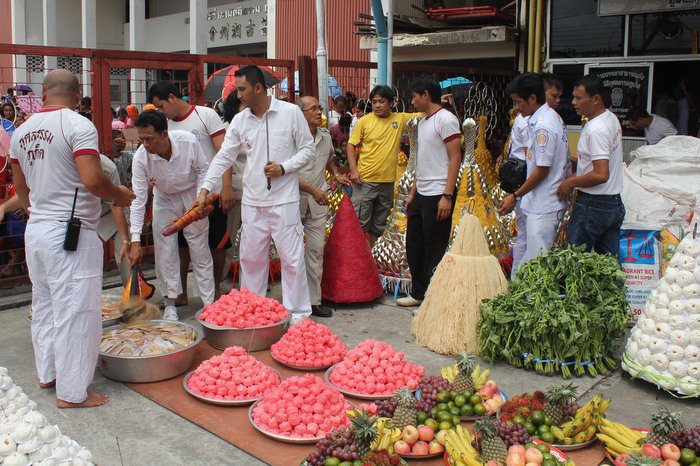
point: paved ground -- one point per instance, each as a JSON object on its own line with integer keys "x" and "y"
{"x": 132, "y": 430}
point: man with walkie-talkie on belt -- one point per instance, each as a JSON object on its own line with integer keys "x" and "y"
{"x": 59, "y": 180}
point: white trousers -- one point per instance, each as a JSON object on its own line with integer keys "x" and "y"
{"x": 313, "y": 217}
{"x": 66, "y": 307}
{"x": 521, "y": 238}
{"x": 282, "y": 224}
{"x": 165, "y": 210}
{"x": 540, "y": 230}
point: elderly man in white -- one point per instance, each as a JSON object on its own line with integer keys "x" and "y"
{"x": 276, "y": 141}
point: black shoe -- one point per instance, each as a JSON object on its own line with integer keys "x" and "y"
{"x": 321, "y": 311}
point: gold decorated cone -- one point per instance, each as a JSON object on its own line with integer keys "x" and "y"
{"x": 483, "y": 155}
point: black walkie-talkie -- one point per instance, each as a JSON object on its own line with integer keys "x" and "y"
{"x": 73, "y": 230}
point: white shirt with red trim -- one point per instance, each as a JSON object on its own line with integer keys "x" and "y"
{"x": 433, "y": 163}
{"x": 205, "y": 124}
{"x": 45, "y": 147}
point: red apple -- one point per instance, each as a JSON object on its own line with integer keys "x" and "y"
{"x": 440, "y": 436}
{"x": 515, "y": 459}
{"x": 409, "y": 434}
{"x": 651, "y": 450}
{"x": 670, "y": 463}
{"x": 621, "y": 459}
{"x": 435, "y": 447}
{"x": 533, "y": 455}
{"x": 426, "y": 433}
{"x": 493, "y": 463}
{"x": 492, "y": 385}
{"x": 402, "y": 448}
{"x": 486, "y": 393}
{"x": 420, "y": 448}
{"x": 671, "y": 452}
{"x": 517, "y": 449}
{"x": 491, "y": 406}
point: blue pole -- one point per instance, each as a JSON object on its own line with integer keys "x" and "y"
{"x": 382, "y": 39}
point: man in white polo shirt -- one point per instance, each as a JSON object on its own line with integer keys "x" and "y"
{"x": 598, "y": 213}
{"x": 209, "y": 130}
{"x": 172, "y": 162}
{"x": 276, "y": 141}
{"x": 546, "y": 159}
{"x": 430, "y": 204}
{"x": 655, "y": 127}
{"x": 56, "y": 165}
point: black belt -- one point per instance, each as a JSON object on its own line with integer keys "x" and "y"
{"x": 602, "y": 197}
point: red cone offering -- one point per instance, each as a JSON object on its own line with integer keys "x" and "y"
{"x": 349, "y": 272}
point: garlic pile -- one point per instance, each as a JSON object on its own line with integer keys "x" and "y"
{"x": 664, "y": 347}
{"x": 26, "y": 437}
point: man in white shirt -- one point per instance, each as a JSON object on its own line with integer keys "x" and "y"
{"x": 430, "y": 204}
{"x": 552, "y": 90}
{"x": 655, "y": 127}
{"x": 55, "y": 162}
{"x": 546, "y": 159}
{"x": 598, "y": 213}
{"x": 313, "y": 203}
{"x": 209, "y": 130}
{"x": 173, "y": 163}
{"x": 277, "y": 143}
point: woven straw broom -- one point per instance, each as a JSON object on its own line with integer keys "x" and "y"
{"x": 446, "y": 320}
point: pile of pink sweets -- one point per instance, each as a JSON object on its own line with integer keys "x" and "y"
{"x": 243, "y": 309}
{"x": 308, "y": 344}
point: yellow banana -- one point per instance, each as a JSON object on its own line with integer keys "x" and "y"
{"x": 469, "y": 461}
{"x": 633, "y": 435}
{"x": 449, "y": 372}
{"x": 604, "y": 405}
{"x": 615, "y": 434}
{"x": 590, "y": 433}
{"x": 476, "y": 372}
{"x": 614, "y": 444}
{"x": 395, "y": 434}
{"x": 558, "y": 434}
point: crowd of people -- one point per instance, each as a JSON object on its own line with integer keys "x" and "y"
{"x": 267, "y": 160}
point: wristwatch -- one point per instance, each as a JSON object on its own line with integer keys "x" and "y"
{"x": 447, "y": 196}
{"x": 517, "y": 198}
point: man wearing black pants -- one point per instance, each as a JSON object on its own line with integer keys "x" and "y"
{"x": 430, "y": 204}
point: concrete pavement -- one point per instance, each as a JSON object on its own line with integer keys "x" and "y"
{"x": 132, "y": 430}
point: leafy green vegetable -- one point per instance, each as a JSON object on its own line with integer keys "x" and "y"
{"x": 563, "y": 313}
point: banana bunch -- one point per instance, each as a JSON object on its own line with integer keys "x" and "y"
{"x": 387, "y": 435}
{"x": 584, "y": 425}
{"x": 458, "y": 443}
{"x": 478, "y": 378}
{"x": 618, "y": 438}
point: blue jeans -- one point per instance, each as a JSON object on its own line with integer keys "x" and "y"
{"x": 596, "y": 221}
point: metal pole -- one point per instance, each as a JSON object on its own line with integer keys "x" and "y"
{"x": 382, "y": 32}
{"x": 390, "y": 44}
{"x": 321, "y": 57}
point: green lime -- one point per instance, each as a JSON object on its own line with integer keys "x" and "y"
{"x": 444, "y": 416}
{"x": 421, "y": 417}
{"x": 456, "y": 421}
{"x": 466, "y": 410}
{"x": 357, "y": 463}
{"x": 519, "y": 420}
{"x": 538, "y": 418}
{"x": 549, "y": 462}
{"x": 460, "y": 400}
{"x": 346, "y": 463}
{"x": 542, "y": 429}
{"x": 475, "y": 400}
{"x": 479, "y": 409}
{"x": 530, "y": 428}
{"x": 467, "y": 394}
{"x": 443, "y": 396}
{"x": 547, "y": 437}
{"x": 442, "y": 407}
{"x": 431, "y": 423}
{"x": 433, "y": 412}
{"x": 688, "y": 457}
{"x": 453, "y": 395}
{"x": 544, "y": 448}
{"x": 451, "y": 404}
{"x": 331, "y": 461}
{"x": 446, "y": 425}
{"x": 548, "y": 421}
{"x": 455, "y": 411}
{"x": 547, "y": 456}
{"x": 529, "y": 445}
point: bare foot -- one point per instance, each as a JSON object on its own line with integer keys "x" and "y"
{"x": 181, "y": 300}
{"x": 47, "y": 384}
{"x": 93, "y": 399}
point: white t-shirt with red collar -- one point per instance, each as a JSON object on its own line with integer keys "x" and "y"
{"x": 45, "y": 147}
{"x": 205, "y": 124}
{"x": 432, "y": 162}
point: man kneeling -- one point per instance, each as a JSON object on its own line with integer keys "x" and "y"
{"x": 173, "y": 164}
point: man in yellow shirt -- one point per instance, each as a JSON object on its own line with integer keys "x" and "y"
{"x": 373, "y": 175}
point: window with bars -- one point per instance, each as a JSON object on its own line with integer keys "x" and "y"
{"x": 72, "y": 64}
{"x": 35, "y": 63}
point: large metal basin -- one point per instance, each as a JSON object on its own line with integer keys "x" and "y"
{"x": 252, "y": 338}
{"x": 140, "y": 369}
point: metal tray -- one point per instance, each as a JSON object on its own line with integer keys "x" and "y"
{"x": 142, "y": 369}
{"x": 359, "y": 396}
{"x": 252, "y": 338}
{"x": 573, "y": 446}
{"x": 300, "y": 368}
{"x": 281, "y": 438}
{"x": 421, "y": 457}
{"x": 105, "y": 322}
{"x": 216, "y": 401}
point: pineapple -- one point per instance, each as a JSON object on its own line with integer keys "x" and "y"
{"x": 638, "y": 459}
{"x": 405, "y": 414}
{"x": 492, "y": 447}
{"x": 663, "y": 424}
{"x": 465, "y": 365}
{"x": 558, "y": 398}
{"x": 364, "y": 432}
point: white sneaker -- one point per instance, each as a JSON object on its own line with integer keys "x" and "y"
{"x": 408, "y": 301}
{"x": 170, "y": 313}
{"x": 296, "y": 319}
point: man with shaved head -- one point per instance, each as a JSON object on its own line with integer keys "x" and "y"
{"x": 58, "y": 177}
{"x": 313, "y": 203}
